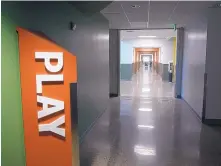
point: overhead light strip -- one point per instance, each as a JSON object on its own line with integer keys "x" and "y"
{"x": 146, "y": 36}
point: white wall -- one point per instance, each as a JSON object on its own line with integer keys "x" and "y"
{"x": 213, "y": 65}
{"x": 166, "y": 51}
{"x": 194, "y": 54}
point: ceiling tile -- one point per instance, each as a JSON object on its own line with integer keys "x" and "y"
{"x": 114, "y": 7}
{"x": 117, "y": 21}
{"x": 162, "y": 14}
{"x": 187, "y": 12}
{"x": 138, "y": 24}
{"x": 137, "y": 17}
{"x": 142, "y": 9}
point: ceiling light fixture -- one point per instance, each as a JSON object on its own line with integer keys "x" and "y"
{"x": 146, "y": 36}
{"x": 135, "y": 6}
{"x": 147, "y": 102}
{"x": 145, "y": 109}
{"x": 146, "y": 126}
{"x": 141, "y": 150}
{"x": 145, "y": 89}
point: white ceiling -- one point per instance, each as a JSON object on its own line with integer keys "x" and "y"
{"x": 154, "y": 14}
{"x": 160, "y": 34}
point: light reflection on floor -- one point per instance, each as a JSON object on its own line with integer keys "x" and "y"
{"x": 150, "y": 128}
{"x": 146, "y": 83}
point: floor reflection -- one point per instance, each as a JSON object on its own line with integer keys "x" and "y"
{"x": 155, "y": 130}
{"x": 146, "y": 83}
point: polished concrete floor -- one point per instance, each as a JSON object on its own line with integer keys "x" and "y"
{"x": 146, "y": 83}
{"x": 146, "y": 126}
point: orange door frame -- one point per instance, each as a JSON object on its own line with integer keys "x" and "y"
{"x": 139, "y": 51}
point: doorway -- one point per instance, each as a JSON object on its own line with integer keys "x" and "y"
{"x": 147, "y": 62}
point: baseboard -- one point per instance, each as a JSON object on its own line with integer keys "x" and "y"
{"x": 212, "y": 122}
{"x": 81, "y": 139}
{"x": 113, "y": 95}
{"x": 179, "y": 97}
{"x": 192, "y": 110}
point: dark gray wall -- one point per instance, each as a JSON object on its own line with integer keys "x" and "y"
{"x": 114, "y": 61}
{"x": 179, "y": 62}
{"x": 163, "y": 71}
{"x": 213, "y": 65}
{"x": 89, "y": 42}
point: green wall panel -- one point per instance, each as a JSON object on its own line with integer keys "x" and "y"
{"x": 13, "y": 152}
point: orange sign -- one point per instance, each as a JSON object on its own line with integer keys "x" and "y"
{"x": 47, "y": 72}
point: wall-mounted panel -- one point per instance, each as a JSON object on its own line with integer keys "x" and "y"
{"x": 47, "y": 72}
{"x": 12, "y": 133}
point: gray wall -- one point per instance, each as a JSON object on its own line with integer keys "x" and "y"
{"x": 194, "y": 54}
{"x": 114, "y": 61}
{"x": 163, "y": 71}
{"x": 89, "y": 43}
{"x": 179, "y": 62}
{"x": 213, "y": 65}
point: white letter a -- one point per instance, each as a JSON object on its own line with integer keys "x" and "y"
{"x": 57, "y": 106}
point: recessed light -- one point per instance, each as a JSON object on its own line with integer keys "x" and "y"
{"x": 145, "y": 89}
{"x": 147, "y": 102}
{"x": 145, "y": 109}
{"x": 146, "y": 126}
{"x": 135, "y": 6}
{"x": 141, "y": 150}
{"x": 147, "y": 36}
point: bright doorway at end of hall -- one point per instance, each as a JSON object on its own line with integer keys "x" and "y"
{"x": 147, "y": 61}
{"x": 155, "y": 49}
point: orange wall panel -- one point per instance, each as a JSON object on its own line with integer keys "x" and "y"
{"x": 46, "y": 148}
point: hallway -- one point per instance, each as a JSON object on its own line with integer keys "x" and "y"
{"x": 70, "y": 95}
{"x": 146, "y": 83}
{"x": 146, "y": 126}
